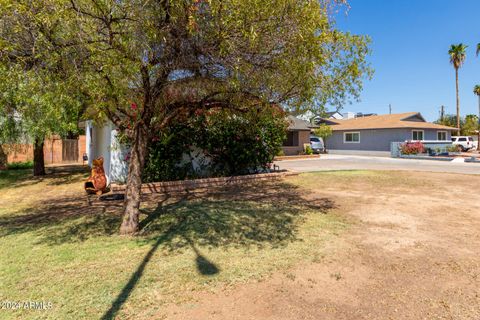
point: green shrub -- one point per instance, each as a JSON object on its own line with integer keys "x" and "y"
{"x": 239, "y": 143}
{"x": 165, "y": 153}
{"x": 308, "y": 150}
{"x": 20, "y": 165}
{"x": 234, "y": 142}
{"x": 453, "y": 148}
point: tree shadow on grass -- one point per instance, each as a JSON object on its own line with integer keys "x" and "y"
{"x": 54, "y": 176}
{"x": 258, "y": 214}
{"x": 64, "y": 220}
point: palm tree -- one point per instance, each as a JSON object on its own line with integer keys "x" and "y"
{"x": 457, "y": 58}
{"x": 476, "y": 91}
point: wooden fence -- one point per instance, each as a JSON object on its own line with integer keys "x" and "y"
{"x": 55, "y": 150}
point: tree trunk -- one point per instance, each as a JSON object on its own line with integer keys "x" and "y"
{"x": 38, "y": 160}
{"x": 458, "y": 102}
{"x": 3, "y": 159}
{"x": 478, "y": 133}
{"x": 134, "y": 181}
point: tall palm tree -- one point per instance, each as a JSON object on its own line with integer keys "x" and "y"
{"x": 476, "y": 91}
{"x": 457, "y": 55}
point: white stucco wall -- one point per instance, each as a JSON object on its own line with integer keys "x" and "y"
{"x": 88, "y": 140}
{"x": 98, "y": 138}
{"x": 118, "y": 163}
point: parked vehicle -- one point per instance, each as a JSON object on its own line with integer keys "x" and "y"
{"x": 464, "y": 143}
{"x": 317, "y": 144}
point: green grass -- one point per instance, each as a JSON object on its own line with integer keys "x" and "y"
{"x": 20, "y": 165}
{"x": 55, "y": 247}
{"x": 9, "y": 177}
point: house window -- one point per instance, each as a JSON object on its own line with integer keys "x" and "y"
{"x": 292, "y": 139}
{"x": 442, "y": 135}
{"x": 351, "y": 137}
{"x": 417, "y": 134}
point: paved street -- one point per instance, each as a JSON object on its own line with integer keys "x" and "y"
{"x": 349, "y": 162}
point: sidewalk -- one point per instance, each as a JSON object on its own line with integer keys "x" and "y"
{"x": 330, "y": 162}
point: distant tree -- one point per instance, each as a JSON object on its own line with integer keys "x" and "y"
{"x": 8, "y": 132}
{"x": 476, "y": 91}
{"x": 324, "y": 131}
{"x": 40, "y": 98}
{"x": 470, "y": 125}
{"x": 457, "y": 55}
{"x": 449, "y": 120}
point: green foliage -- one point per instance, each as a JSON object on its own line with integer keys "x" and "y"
{"x": 458, "y": 54}
{"x": 476, "y": 90}
{"x": 164, "y": 161}
{"x": 308, "y": 150}
{"x": 20, "y": 165}
{"x": 448, "y": 120}
{"x": 126, "y": 50}
{"x": 468, "y": 125}
{"x": 233, "y": 142}
{"x": 240, "y": 143}
{"x": 452, "y": 148}
{"x": 324, "y": 131}
{"x": 39, "y": 92}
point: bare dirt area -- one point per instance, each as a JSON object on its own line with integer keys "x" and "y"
{"x": 412, "y": 253}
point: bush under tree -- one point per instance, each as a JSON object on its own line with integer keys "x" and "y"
{"x": 234, "y": 143}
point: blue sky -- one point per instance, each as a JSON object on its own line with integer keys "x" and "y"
{"x": 410, "y": 41}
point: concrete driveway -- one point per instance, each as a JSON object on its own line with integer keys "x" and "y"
{"x": 330, "y": 162}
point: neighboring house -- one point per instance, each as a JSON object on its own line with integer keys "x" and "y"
{"x": 376, "y": 132}
{"x": 334, "y": 115}
{"x": 298, "y": 135}
{"x": 329, "y": 115}
{"x": 313, "y": 118}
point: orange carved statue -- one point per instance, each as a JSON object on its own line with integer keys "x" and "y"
{"x": 97, "y": 182}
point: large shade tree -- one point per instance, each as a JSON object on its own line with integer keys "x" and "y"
{"x": 457, "y": 53}
{"x": 148, "y": 62}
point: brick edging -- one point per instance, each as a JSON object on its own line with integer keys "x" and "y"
{"x": 189, "y": 185}
{"x": 295, "y": 157}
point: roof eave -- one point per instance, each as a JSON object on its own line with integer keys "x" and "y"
{"x": 382, "y": 128}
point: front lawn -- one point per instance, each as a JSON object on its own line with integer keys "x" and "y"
{"x": 55, "y": 246}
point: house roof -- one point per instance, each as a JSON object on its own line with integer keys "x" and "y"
{"x": 412, "y": 120}
{"x": 298, "y": 124}
{"x": 332, "y": 113}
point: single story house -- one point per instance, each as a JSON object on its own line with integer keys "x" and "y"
{"x": 101, "y": 141}
{"x": 377, "y": 132}
{"x": 298, "y": 135}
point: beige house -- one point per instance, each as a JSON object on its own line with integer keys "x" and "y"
{"x": 298, "y": 135}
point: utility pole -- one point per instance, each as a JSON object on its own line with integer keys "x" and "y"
{"x": 442, "y": 113}
{"x": 390, "y": 108}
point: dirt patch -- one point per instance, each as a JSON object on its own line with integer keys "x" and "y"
{"x": 412, "y": 254}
